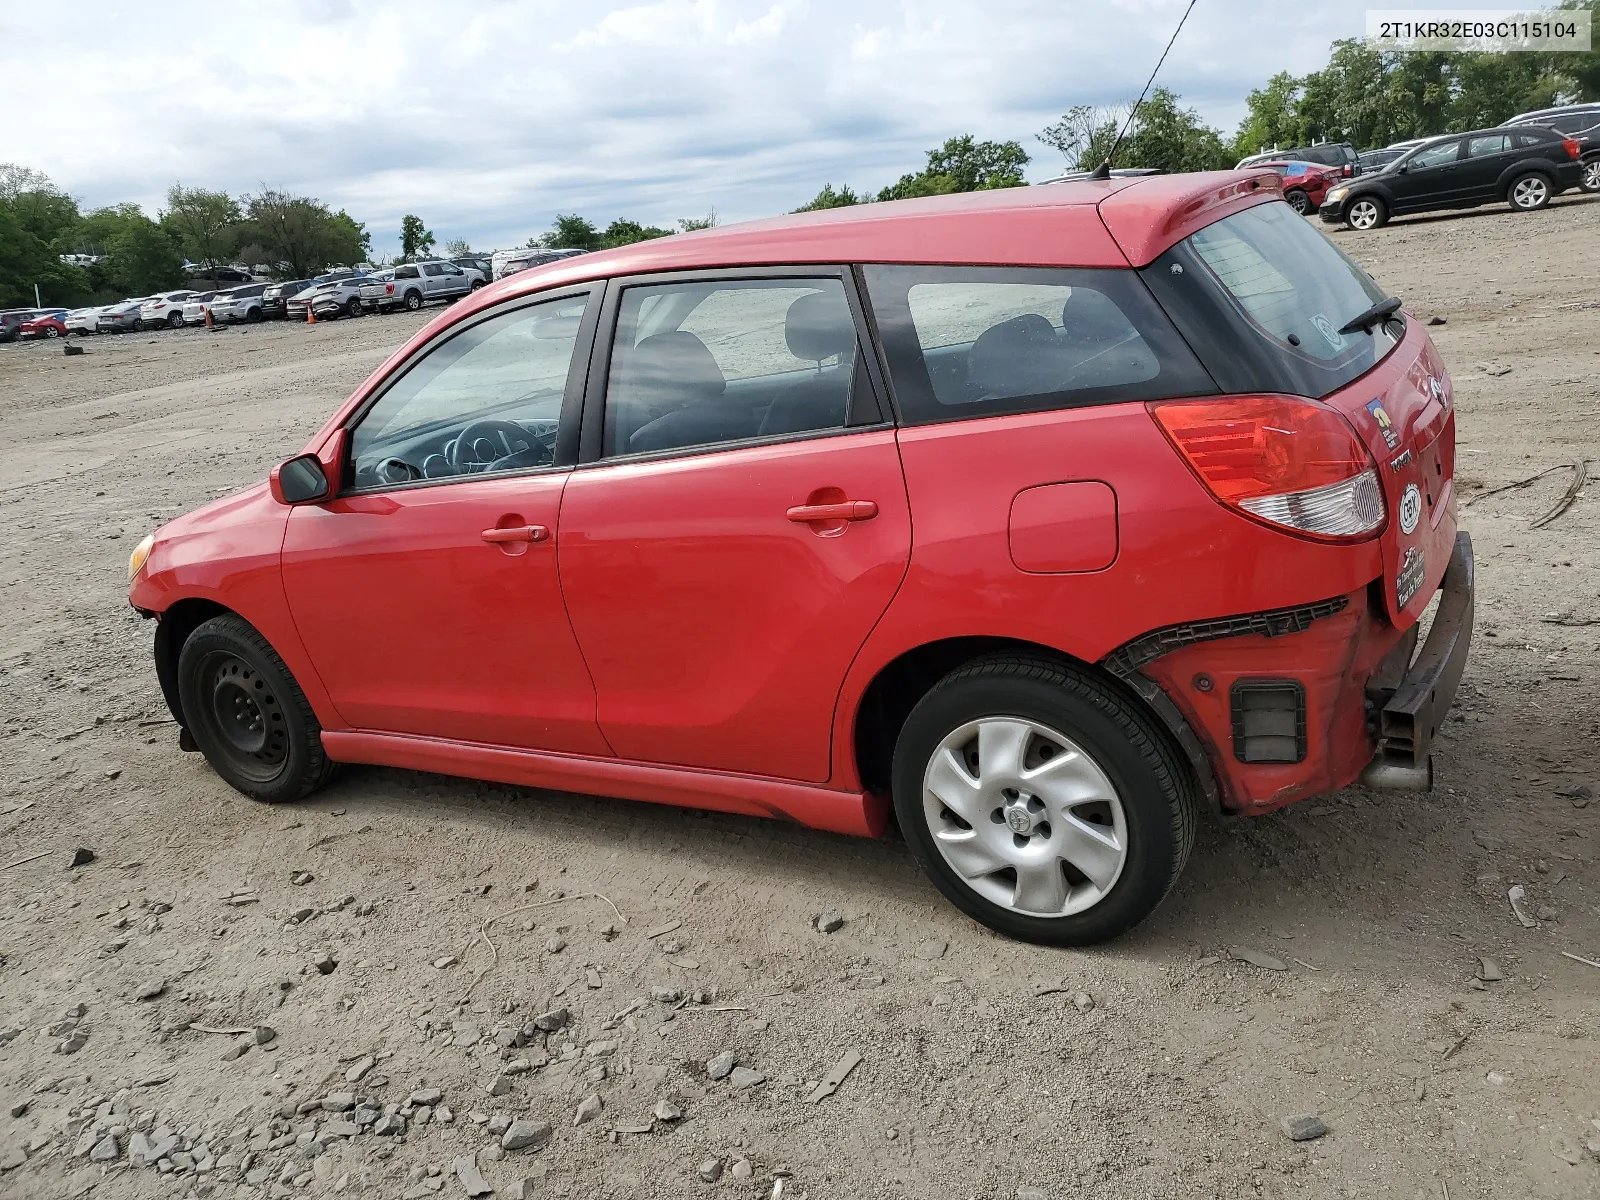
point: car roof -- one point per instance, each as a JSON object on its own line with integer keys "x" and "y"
{"x": 1091, "y": 223}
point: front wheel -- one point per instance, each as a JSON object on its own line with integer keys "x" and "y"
{"x": 1366, "y": 212}
{"x": 1529, "y": 192}
{"x": 1591, "y": 176}
{"x": 1041, "y": 802}
{"x": 248, "y": 716}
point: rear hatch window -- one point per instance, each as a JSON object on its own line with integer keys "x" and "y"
{"x": 1261, "y": 296}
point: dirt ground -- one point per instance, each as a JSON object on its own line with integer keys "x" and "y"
{"x": 1170, "y": 1080}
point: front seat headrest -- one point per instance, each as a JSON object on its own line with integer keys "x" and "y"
{"x": 669, "y": 369}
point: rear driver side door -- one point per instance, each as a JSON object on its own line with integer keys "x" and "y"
{"x": 738, "y": 521}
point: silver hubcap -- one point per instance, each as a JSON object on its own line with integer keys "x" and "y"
{"x": 1529, "y": 192}
{"x": 1591, "y": 175}
{"x": 1025, "y": 816}
{"x": 1364, "y": 214}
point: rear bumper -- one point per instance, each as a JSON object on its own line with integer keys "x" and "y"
{"x": 1297, "y": 703}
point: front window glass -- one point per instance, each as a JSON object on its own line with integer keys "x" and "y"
{"x": 487, "y": 400}
{"x": 697, "y": 364}
{"x": 1435, "y": 156}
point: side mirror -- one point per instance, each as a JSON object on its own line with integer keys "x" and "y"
{"x": 300, "y": 480}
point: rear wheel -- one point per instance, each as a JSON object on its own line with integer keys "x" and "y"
{"x": 1298, "y": 200}
{"x": 413, "y": 301}
{"x": 138, "y": 324}
{"x": 1529, "y": 192}
{"x": 1366, "y": 212}
{"x": 352, "y": 307}
{"x": 1041, "y": 802}
{"x": 175, "y": 320}
{"x": 247, "y": 714}
{"x": 50, "y": 332}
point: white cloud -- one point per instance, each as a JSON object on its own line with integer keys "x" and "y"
{"x": 489, "y": 119}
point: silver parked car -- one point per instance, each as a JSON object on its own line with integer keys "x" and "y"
{"x": 239, "y": 304}
{"x": 123, "y": 316}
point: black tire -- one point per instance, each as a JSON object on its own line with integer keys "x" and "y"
{"x": 352, "y": 307}
{"x": 252, "y": 315}
{"x": 1154, "y": 786}
{"x": 413, "y": 301}
{"x": 50, "y": 333}
{"x": 1354, "y": 213}
{"x": 175, "y": 320}
{"x": 248, "y": 716}
{"x": 138, "y": 324}
{"x": 1529, "y": 191}
{"x": 1298, "y": 200}
{"x": 1591, "y": 175}
{"x": 476, "y": 284}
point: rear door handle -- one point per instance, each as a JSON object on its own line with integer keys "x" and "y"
{"x": 518, "y": 533}
{"x": 848, "y": 510}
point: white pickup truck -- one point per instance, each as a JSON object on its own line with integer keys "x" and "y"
{"x": 414, "y": 284}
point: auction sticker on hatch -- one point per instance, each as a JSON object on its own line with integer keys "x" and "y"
{"x": 1412, "y": 570}
{"x": 1385, "y": 426}
{"x": 1410, "y": 508}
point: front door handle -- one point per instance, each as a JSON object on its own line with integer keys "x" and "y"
{"x": 517, "y": 533}
{"x": 848, "y": 510}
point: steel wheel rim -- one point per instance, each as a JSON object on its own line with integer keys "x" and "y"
{"x": 1529, "y": 192}
{"x": 1363, "y": 214}
{"x": 1025, "y": 816}
{"x": 246, "y": 716}
{"x": 1591, "y": 175}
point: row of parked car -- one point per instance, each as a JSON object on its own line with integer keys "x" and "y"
{"x": 1523, "y": 162}
{"x": 340, "y": 293}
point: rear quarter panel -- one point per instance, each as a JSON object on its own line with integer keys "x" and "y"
{"x": 1180, "y": 555}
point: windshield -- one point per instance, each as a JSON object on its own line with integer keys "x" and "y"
{"x": 1261, "y": 296}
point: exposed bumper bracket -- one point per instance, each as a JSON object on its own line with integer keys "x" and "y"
{"x": 1409, "y": 720}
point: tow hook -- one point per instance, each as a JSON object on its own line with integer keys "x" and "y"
{"x": 1387, "y": 775}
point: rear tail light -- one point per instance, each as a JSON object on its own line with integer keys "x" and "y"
{"x": 1571, "y": 146}
{"x": 388, "y": 289}
{"x": 1288, "y": 462}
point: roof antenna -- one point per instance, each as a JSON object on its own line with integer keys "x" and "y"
{"x": 1103, "y": 171}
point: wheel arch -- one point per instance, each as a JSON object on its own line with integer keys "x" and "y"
{"x": 179, "y": 620}
{"x": 897, "y": 686}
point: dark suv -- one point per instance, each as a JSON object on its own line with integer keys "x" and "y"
{"x": 1524, "y": 167}
{"x": 1329, "y": 154}
{"x": 1581, "y": 123}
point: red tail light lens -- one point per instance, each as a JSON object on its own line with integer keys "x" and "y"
{"x": 1572, "y": 148}
{"x": 1291, "y": 463}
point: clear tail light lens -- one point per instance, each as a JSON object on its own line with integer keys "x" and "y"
{"x": 1292, "y": 463}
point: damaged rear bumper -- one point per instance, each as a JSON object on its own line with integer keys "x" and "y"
{"x": 1409, "y": 713}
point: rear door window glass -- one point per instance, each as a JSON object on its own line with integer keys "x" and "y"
{"x": 1483, "y": 147}
{"x": 702, "y": 363}
{"x": 978, "y": 341}
{"x": 1262, "y": 295}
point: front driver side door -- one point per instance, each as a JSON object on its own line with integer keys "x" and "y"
{"x": 1429, "y": 178}
{"x": 426, "y": 592}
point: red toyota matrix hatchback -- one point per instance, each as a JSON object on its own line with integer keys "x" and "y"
{"x": 1042, "y": 516}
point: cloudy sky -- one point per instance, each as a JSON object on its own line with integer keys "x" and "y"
{"x": 490, "y": 117}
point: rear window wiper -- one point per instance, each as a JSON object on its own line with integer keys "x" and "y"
{"x": 1378, "y": 313}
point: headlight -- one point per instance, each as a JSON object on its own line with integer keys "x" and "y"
{"x": 1337, "y": 194}
{"x": 140, "y": 553}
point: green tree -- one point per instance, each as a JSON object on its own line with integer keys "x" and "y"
{"x": 828, "y": 198}
{"x": 414, "y": 239}
{"x": 622, "y": 232}
{"x": 34, "y": 215}
{"x": 1273, "y": 119}
{"x": 457, "y": 248}
{"x": 570, "y": 232}
{"x": 962, "y": 165}
{"x": 299, "y": 234}
{"x": 1170, "y": 138}
{"x": 690, "y": 224}
{"x": 206, "y": 224}
{"x": 141, "y": 256}
{"x": 1083, "y": 134}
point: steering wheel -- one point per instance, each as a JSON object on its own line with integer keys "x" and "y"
{"x": 500, "y": 436}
